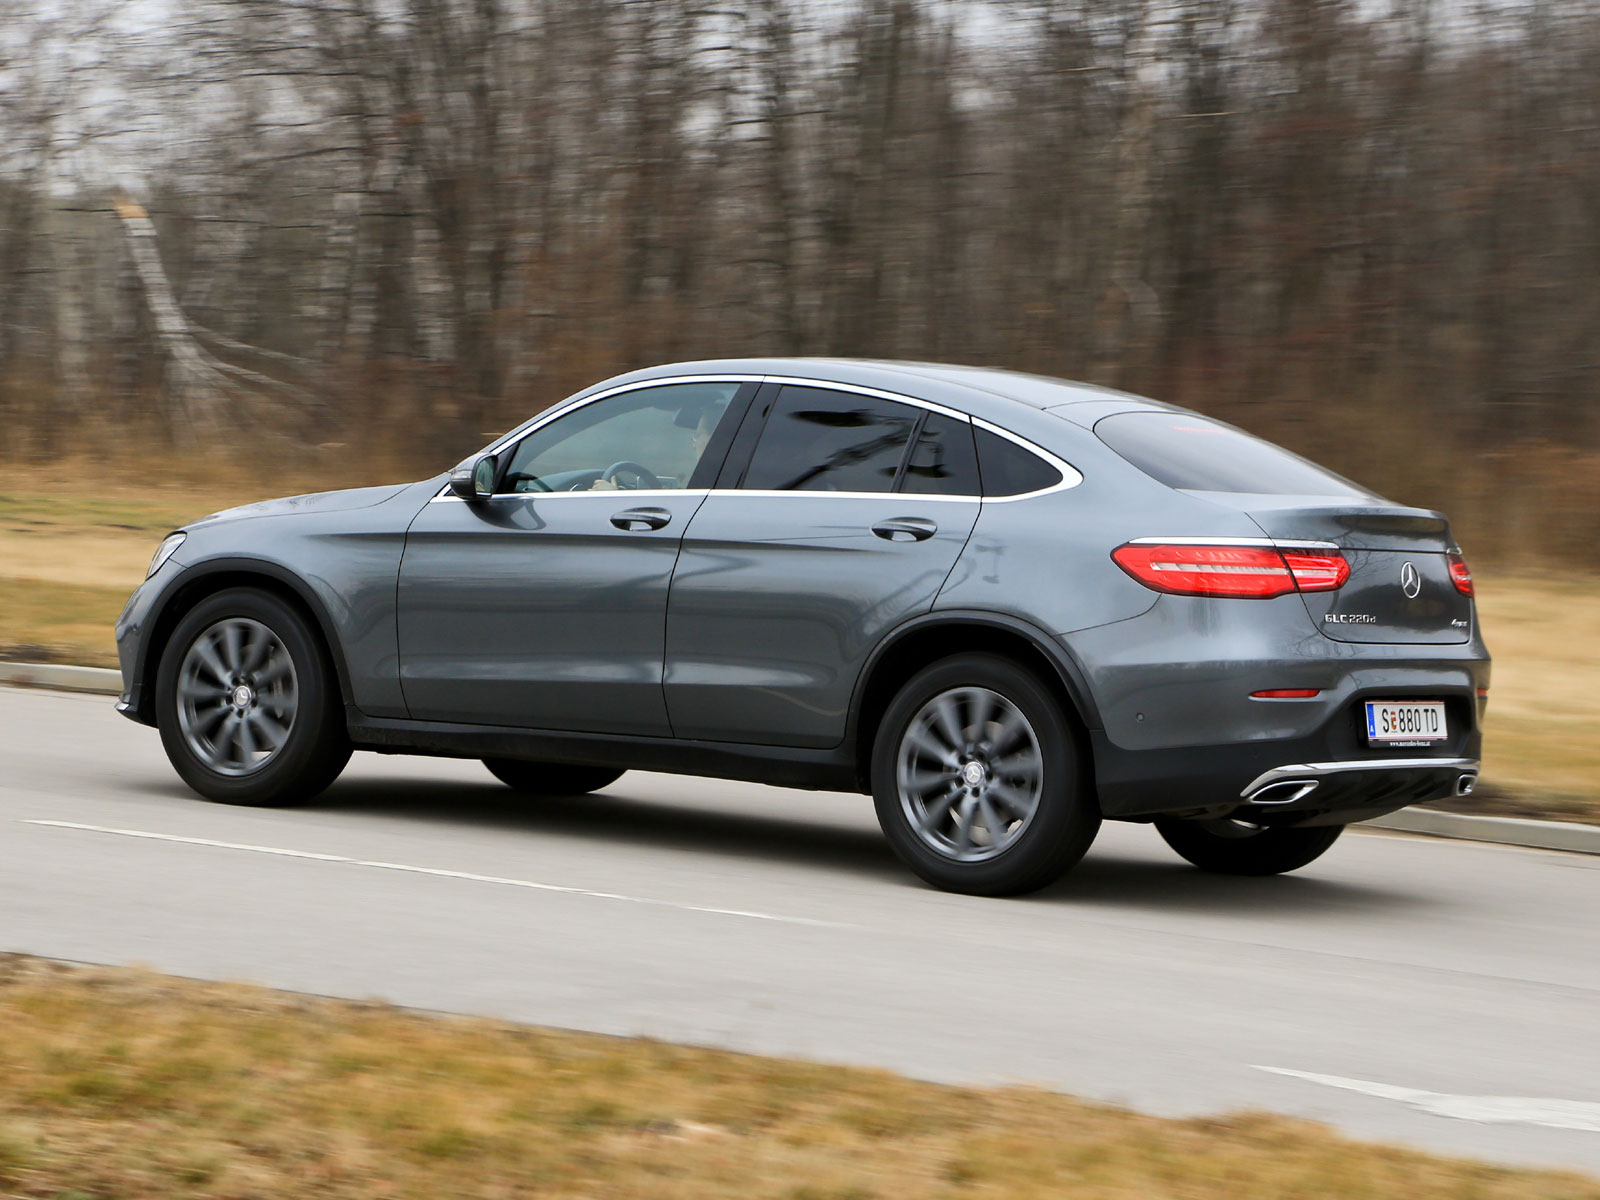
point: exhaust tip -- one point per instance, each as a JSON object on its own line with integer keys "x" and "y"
{"x": 1465, "y": 784}
{"x": 1284, "y": 791}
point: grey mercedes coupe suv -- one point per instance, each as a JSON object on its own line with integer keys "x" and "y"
{"x": 1006, "y": 606}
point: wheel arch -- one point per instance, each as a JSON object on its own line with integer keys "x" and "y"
{"x": 934, "y": 636}
{"x": 217, "y": 575}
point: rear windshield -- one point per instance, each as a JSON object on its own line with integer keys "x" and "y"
{"x": 1185, "y": 451}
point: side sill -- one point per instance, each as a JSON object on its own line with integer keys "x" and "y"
{"x": 782, "y": 766}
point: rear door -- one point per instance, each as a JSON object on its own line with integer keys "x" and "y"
{"x": 839, "y": 515}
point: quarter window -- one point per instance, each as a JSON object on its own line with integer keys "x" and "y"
{"x": 817, "y": 440}
{"x": 1011, "y": 470}
{"x": 651, "y": 437}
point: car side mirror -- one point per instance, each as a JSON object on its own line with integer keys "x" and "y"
{"x": 474, "y": 478}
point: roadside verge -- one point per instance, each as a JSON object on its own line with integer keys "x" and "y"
{"x": 1506, "y": 831}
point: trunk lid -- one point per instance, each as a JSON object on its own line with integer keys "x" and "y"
{"x": 1399, "y": 590}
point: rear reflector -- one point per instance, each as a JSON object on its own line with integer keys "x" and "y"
{"x": 1249, "y": 572}
{"x": 1460, "y": 574}
{"x": 1286, "y": 694}
{"x": 1483, "y": 693}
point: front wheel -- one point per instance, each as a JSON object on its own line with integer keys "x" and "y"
{"x": 978, "y": 781}
{"x": 1238, "y": 848}
{"x": 248, "y": 704}
{"x": 550, "y": 779}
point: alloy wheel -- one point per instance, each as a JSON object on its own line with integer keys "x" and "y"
{"x": 970, "y": 774}
{"x": 238, "y": 695}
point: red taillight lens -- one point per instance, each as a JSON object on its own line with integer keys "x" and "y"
{"x": 1253, "y": 572}
{"x": 1249, "y": 572}
{"x": 1286, "y": 694}
{"x": 1460, "y": 574}
{"x": 1316, "y": 571}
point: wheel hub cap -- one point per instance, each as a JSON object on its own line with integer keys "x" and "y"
{"x": 974, "y": 775}
{"x": 243, "y": 697}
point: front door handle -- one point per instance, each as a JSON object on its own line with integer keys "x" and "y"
{"x": 641, "y": 518}
{"x": 905, "y": 529}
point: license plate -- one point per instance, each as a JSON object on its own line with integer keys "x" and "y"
{"x": 1412, "y": 723}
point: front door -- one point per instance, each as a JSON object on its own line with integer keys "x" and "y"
{"x": 544, "y": 606}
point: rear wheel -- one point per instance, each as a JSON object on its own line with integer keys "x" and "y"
{"x": 1230, "y": 847}
{"x": 550, "y": 779}
{"x": 248, "y": 704}
{"x": 977, "y": 779}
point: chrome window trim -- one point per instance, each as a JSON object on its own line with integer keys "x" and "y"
{"x": 907, "y": 497}
{"x": 1070, "y": 476}
{"x": 1275, "y": 543}
{"x": 618, "y": 493}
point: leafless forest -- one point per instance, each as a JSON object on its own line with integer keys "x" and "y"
{"x": 250, "y": 229}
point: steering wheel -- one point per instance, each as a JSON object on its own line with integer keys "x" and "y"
{"x": 647, "y": 478}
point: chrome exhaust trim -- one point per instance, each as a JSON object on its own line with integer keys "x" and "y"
{"x": 1300, "y": 774}
{"x": 1284, "y": 791}
{"x": 1466, "y": 783}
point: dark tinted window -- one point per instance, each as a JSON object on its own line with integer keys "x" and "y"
{"x": 1009, "y": 469}
{"x": 824, "y": 441}
{"x": 943, "y": 462}
{"x": 1184, "y": 451}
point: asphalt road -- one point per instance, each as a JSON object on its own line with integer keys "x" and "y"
{"x": 1438, "y": 993}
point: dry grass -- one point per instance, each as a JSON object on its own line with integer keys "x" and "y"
{"x": 67, "y": 566}
{"x": 1542, "y": 736}
{"x": 118, "y": 1083}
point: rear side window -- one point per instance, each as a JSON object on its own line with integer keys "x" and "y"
{"x": 817, "y": 440}
{"x": 1184, "y": 451}
{"x": 944, "y": 461}
{"x": 1009, "y": 469}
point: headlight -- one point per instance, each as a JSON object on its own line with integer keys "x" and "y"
{"x": 165, "y": 551}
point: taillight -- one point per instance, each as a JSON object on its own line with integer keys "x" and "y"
{"x": 1248, "y": 572}
{"x": 1460, "y": 573}
{"x": 1317, "y": 571}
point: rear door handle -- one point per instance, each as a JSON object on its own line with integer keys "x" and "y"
{"x": 641, "y": 518}
{"x": 905, "y": 529}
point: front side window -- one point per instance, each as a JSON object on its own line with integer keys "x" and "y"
{"x": 817, "y": 440}
{"x": 651, "y": 437}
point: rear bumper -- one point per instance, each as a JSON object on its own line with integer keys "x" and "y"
{"x": 1289, "y": 782}
{"x": 1327, "y": 774}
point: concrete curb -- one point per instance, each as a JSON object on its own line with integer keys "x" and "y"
{"x": 1506, "y": 831}
{"x": 62, "y": 678}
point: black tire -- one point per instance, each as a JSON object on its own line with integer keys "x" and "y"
{"x": 316, "y": 746}
{"x": 1043, "y": 845}
{"x": 1227, "y": 848}
{"x": 550, "y": 779}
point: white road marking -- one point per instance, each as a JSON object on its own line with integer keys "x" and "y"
{"x": 439, "y": 871}
{"x": 1517, "y": 1110}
